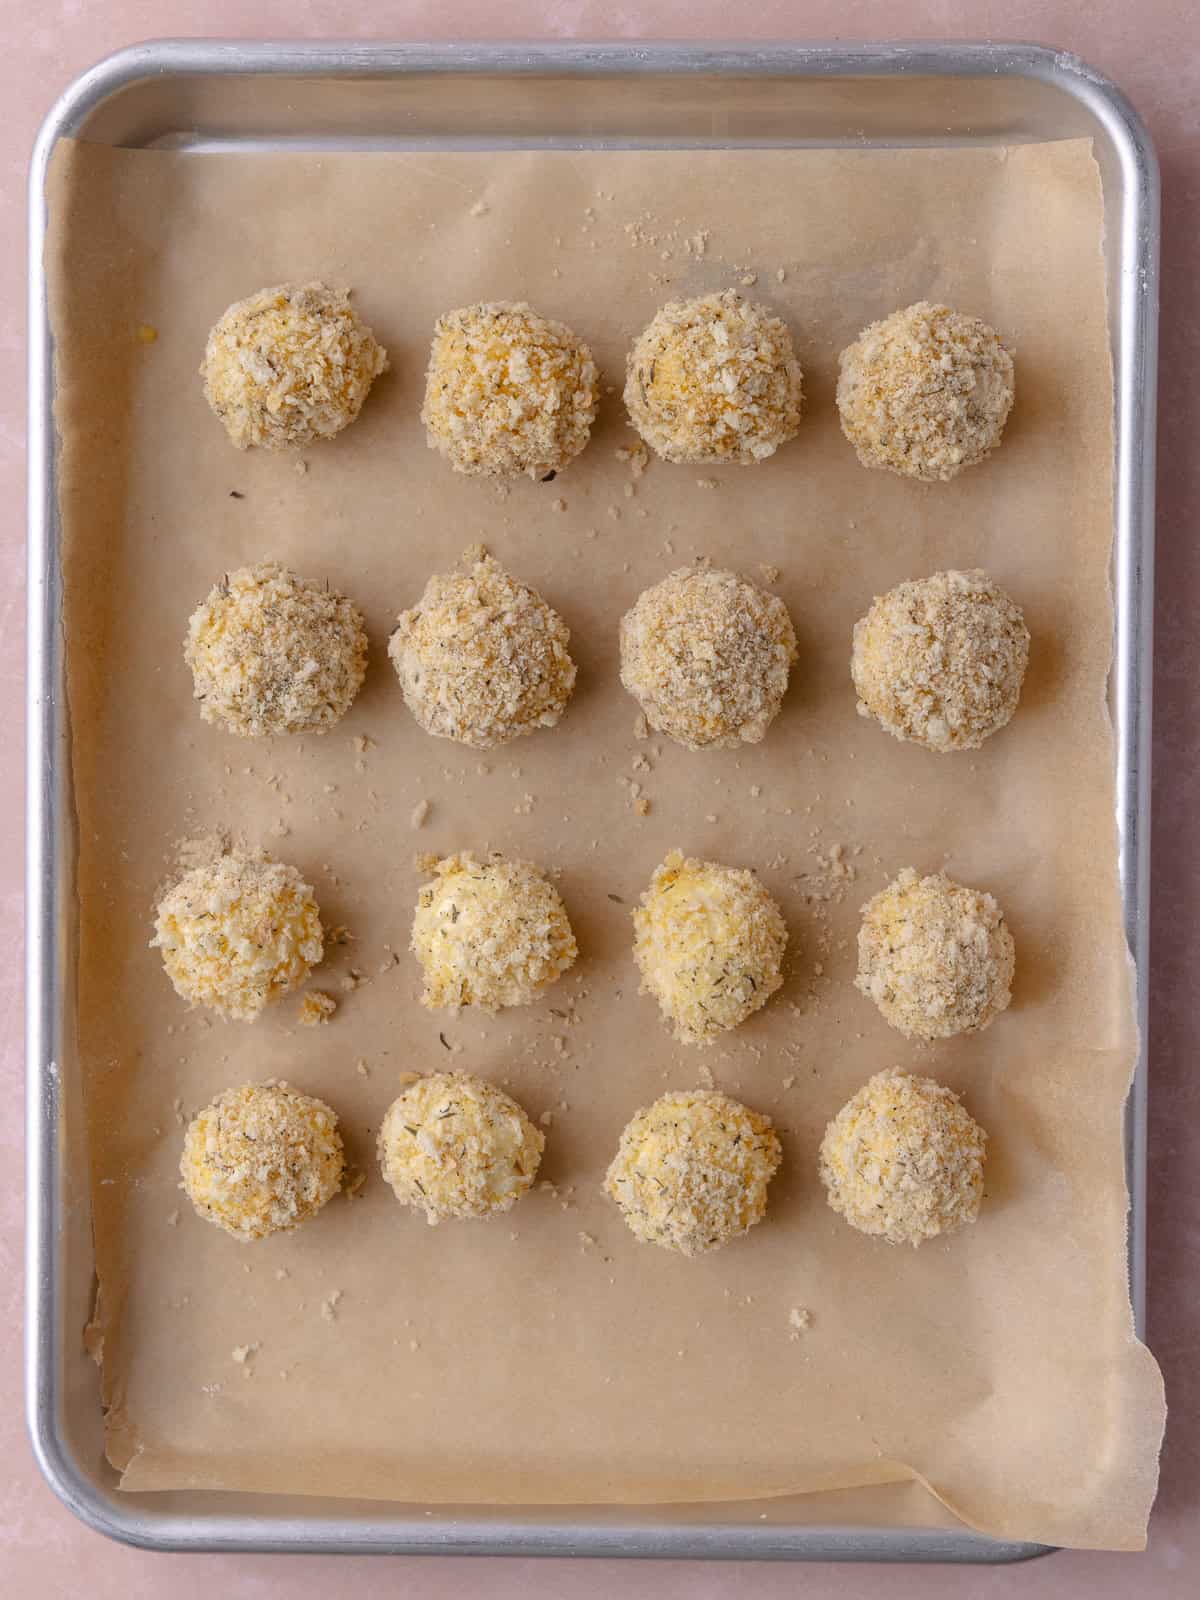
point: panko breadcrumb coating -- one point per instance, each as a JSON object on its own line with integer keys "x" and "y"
{"x": 290, "y": 365}
{"x": 714, "y": 380}
{"x": 489, "y": 933}
{"x": 706, "y": 655}
{"x": 936, "y": 958}
{"x": 926, "y": 392}
{"x": 691, "y": 1171}
{"x": 903, "y": 1159}
{"x": 709, "y": 941}
{"x": 273, "y": 653}
{"x": 454, "y": 1145}
{"x": 508, "y": 393}
{"x": 261, "y": 1159}
{"x": 481, "y": 657}
{"x": 238, "y": 933}
{"x": 941, "y": 660}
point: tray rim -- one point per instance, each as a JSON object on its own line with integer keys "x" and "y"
{"x": 1135, "y": 318}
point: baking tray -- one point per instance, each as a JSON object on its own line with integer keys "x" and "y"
{"x": 227, "y": 95}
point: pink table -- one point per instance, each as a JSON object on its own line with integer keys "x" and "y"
{"x": 1150, "y": 49}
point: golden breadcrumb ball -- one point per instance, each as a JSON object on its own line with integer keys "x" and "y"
{"x": 903, "y": 1159}
{"x": 936, "y": 958}
{"x": 714, "y": 380}
{"x": 489, "y": 933}
{"x": 941, "y": 660}
{"x": 508, "y": 393}
{"x": 290, "y": 365}
{"x": 926, "y": 392}
{"x": 274, "y": 653}
{"x": 238, "y": 933}
{"x": 261, "y": 1159}
{"x": 454, "y": 1145}
{"x": 481, "y": 657}
{"x": 709, "y": 941}
{"x": 706, "y": 655}
{"x": 691, "y": 1171}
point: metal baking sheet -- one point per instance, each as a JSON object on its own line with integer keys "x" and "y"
{"x": 227, "y": 95}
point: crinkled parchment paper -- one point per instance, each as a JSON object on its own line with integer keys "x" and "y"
{"x": 546, "y": 1356}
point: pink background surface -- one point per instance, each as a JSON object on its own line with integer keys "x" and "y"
{"x": 1152, "y": 49}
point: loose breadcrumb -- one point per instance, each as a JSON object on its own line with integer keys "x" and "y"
{"x": 904, "y": 1160}
{"x": 489, "y": 933}
{"x": 691, "y": 1171}
{"x": 941, "y": 660}
{"x": 709, "y": 941}
{"x": 482, "y": 658}
{"x": 508, "y": 393}
{"x": 937, "y": 958}
{"x": 273, "y": 653}
{"x": 238, "y": 933}
{"x": 261, "y": 1159}
{"x": 454, "y": 1145}
{"x": 926, "y": 392}
{"x": 316, "y": 1008}
{"x": 290, "y": 365}
{"x": 707, "y": 655}
{"x": 714, "y": 380}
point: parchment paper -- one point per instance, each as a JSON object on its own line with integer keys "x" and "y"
{"x": 546, "y": 1356}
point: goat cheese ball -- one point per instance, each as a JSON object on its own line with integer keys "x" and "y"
{"x": 936, "y": 957}
{"x": 925, "y": 392}
{"x": 709, "y": 941}
{"x": 707, "y": 656}
{"x": 489, "y": 933}
{"x": 290, "y": 365}
{"x": 481, "y": 657}
{"x": 453, "y": 1145}
{"x": 508, "y": 393}
{"x": 714, "y": 380}
{"x": 274, "y": 653}
{"x": 691, "y": 1171}
{"x": 261, "y": 1159}
{"x": 238, "y": 933}
{"x": 940, "y": 661}
{"x": 903, "y": 1160}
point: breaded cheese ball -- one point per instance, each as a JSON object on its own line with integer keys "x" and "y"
{"x": 936, "y": 957}
{"x": 926, "y": 392}
{"x": 691, "y": 1171}
{"x": 489, "y": 933}
{"x": 290, "y": 365}
{"x": 453, "y": 1145}
{"x": 904, "y": 1160}
{"x": 940, "y": 661}
{"x": 274, "y": 653}
{"x": 261, "y": 1159}
{"x": 707, "y": 655}
{"x": 238, "y": 933}
{"x": 508, "y": 393}
{"x": 481, "y": 657}
{"x": 714, "y": 380}
{"x": 709, "y": 941}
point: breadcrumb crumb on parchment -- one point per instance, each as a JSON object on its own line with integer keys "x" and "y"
{"x": 489, "y": 933}
{"x": 508, "y": 393}
{"x": 261, "y": 1159}
{"x": 709, "y": 942}
{"x": 903, "y": 1159}
{"x": 691, "y": 1171}
{"x": 290, "y": 365}
{"x": 925, "y": 392}
{"x": 454, "y": 1145}
{"x": 238, "y": 932}
{"x": 714, "y": 379}
{"x": 274, "y": 653}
